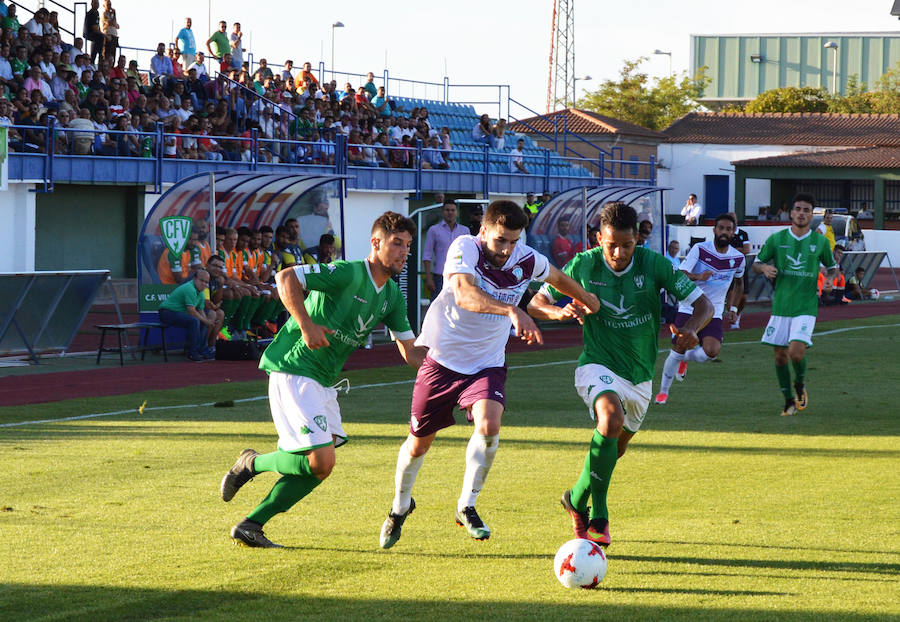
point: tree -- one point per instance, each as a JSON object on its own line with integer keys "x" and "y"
{"x": 790, "y": 99}
{"x": 632, "y": 98}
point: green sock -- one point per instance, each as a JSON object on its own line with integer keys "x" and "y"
{"x": 262, "y": 313}
{"x": 275, "y": 311}
{"x": 799, "y": 370}
{"x": 240, "y": 316}
{"x": 784, "y": 381}
{"x": 601, "y": 460}
{"x": 229, "y": 307}
{"x": 289, "y": 489}
{"x": 251, "y": 311}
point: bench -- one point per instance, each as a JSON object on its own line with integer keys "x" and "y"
{"x": 120, "y": 329}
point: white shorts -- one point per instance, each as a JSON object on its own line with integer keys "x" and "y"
{"x": 305, "y": 413}
{"x": 592, "y": 380}
{"x": 782, "y": 330}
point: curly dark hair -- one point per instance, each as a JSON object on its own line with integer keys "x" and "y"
{"x": 618, "y": 215}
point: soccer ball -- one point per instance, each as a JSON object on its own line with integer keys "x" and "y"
{"x": 580, "y": 563}
{"x": 874, "y": 293}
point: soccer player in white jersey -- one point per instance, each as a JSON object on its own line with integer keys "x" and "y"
{"x": 713, "y": 266}
{"x": 466, "y": 329}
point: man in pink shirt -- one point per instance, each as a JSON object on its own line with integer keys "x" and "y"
{"x": 437, "y": 241}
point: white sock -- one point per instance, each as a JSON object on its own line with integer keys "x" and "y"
{"x": 669, "y": 369}
{"x": 479, "y": 458}
{"x": 404, "y": 478}
{"x": 696, "y": 355}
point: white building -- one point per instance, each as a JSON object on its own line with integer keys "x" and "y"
{"x": 697, "y": 157}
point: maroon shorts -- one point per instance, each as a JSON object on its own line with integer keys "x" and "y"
{"x": 439, "y": 390}
{"x": 713, "y": 329}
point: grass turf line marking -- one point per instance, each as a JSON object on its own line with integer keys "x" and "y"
{"x": 381, "y": 384}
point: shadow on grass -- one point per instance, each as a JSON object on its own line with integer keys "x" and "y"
{"x": 778, "y": 564}
{"x": 90, "y": 603}
{"x": 830, "y": 549}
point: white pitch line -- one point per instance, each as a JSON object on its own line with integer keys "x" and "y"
{"x": 381, "y": 384}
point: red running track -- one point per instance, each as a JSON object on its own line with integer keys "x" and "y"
{"x": 110, "y": 379}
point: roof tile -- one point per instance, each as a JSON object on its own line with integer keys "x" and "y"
{"x": 859, "y": 157}
{"x": 583, "y": 122}
{"x": 793, "y": 128}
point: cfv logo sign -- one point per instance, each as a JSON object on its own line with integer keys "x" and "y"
{"x": 176, "y": 230}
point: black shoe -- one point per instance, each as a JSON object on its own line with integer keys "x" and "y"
{"x": 241, "y": 473}
{"x": 468, "y": 518}
{"x": 249, "y": 533}
{"x": 393, "y": 524}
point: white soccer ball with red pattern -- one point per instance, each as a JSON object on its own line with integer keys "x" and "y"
{"x": 874, "y": 293}
{"x": 580, "y": 563}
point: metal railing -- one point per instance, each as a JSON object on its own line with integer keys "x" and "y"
{"x": 52, "y": 144}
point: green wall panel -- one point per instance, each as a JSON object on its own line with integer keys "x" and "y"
{"x": 80, "y": 227}
{"x": 790, "y": 60}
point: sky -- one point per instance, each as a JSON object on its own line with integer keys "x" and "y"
{"x": 488, "y": 42}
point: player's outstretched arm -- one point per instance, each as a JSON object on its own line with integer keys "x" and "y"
{"x": 291, "y": 290}
{"x": 734, "y": 297}
{"x": 767, "y": 269}
{"x": 472, "y": 298}
{"x": 413, "y": 355}
{"x": 570, "y": 287}
{"x": 686, "y": 336}
{"x": 542, "y": 308}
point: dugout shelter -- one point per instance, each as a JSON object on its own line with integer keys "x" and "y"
{"x": 230, "y": 199}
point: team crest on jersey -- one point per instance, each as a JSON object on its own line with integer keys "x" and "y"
{"x": 731, "y": 263}
{"x": 606, "y": 379}
{"x": 331, "y": 267}
{"x": 363, "y": 325}
{"x": 518, "y": 272}
{"x": 639, "y": 281}
{"x": 812, "y": 248}
{"x": 321, "y": 422}
{"x": 176, "y": 230}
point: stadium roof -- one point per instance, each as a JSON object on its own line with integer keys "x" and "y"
{"x": 806, "y": 128}
{"x": 859, "y": 157}
{"x": 583, "y": 122}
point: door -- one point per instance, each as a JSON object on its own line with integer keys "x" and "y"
{"x": 715, "y": 195}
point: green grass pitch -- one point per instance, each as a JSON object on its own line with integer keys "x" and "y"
{"x": 721, "y": 509}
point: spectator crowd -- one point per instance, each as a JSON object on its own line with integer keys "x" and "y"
{"x": 210, "y": 103}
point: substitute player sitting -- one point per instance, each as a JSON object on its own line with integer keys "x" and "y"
{"x": 615, "y": 370}
{"x": 795, "y": 253}
{"x": 713, "y": 266}
{"x": 466, "y": 329}
{"x": 346, "y": 300}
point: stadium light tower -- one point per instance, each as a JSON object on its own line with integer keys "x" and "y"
{"x": 333, "y": 26}
{"x": 560, "y": 82}
{"x": 831, "y": 45}
{"x": 659, "y": 52}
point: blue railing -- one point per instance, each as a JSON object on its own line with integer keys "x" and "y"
{"x": 49, "y": 154}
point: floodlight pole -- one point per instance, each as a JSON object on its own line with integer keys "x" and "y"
{"x": 831, "y": 45}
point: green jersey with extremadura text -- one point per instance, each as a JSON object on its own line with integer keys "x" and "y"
{"x": 343, "y": 297}
{"x": 623, "y": 336}
{"x": 797, "y": 261}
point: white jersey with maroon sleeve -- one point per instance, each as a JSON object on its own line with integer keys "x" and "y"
{"x": 465, "y": 341}
{"x": 724, "y": 267}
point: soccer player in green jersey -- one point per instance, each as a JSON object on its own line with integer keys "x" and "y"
{"x": 615, "y": 370}
{"x": 346, "y": 300}
{"x": 796, "y": 253}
